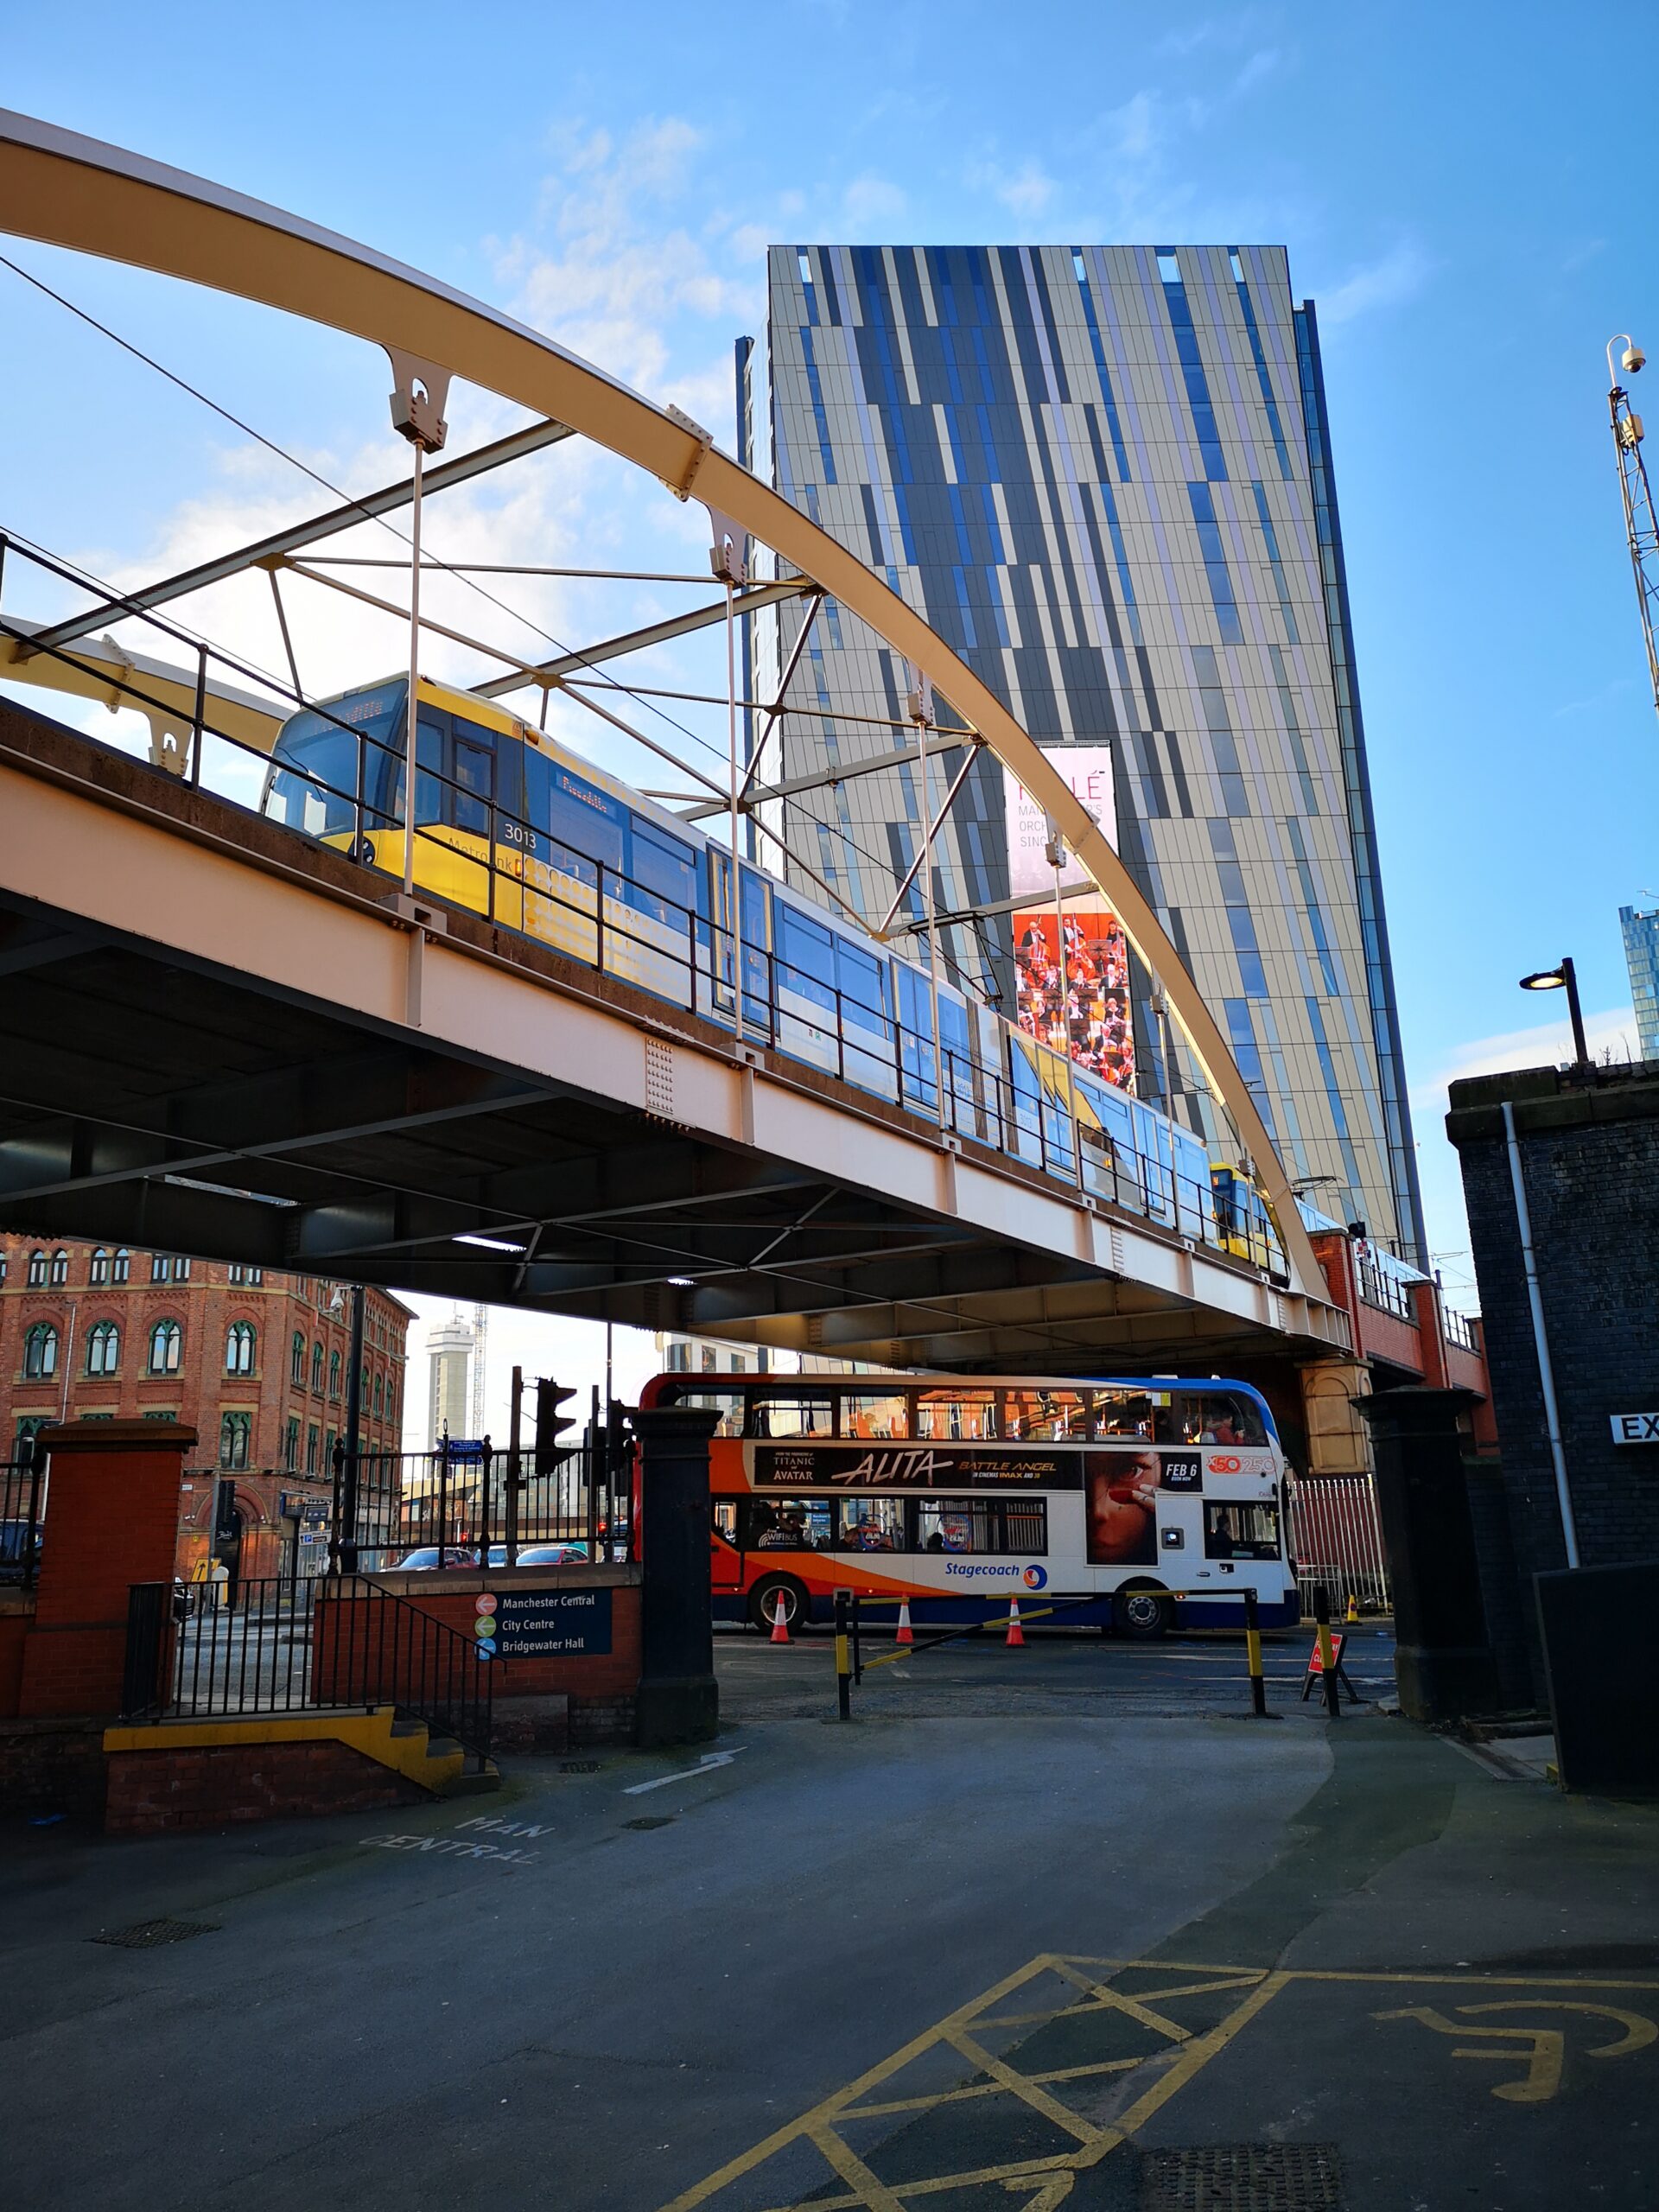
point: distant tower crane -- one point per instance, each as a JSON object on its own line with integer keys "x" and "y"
{"x": 1641, "y": 528}
{"x": 480, "y": 1331}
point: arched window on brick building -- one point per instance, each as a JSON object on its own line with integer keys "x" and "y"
{"x": 103, "y": 1348}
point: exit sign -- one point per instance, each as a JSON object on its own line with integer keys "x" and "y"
{"x": 1636, "y": 1428}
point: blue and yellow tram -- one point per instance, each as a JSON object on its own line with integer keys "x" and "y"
{"x": 509, "y": 824}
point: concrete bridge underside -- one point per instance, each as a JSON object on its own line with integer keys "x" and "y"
{"x": 222, "y": 1039}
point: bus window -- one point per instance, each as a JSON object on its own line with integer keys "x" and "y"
{"x": 1126, "y": 1413}
{"x": 872, "y": 1524}
{"x": 955, "y": 1416}
{"x": 792, "y": 1416}
{"x": 1045, "y": 1416}
{"x": 1216, "y": 1417}
{"x": 725, "y": 1518}
{"x": 1025, "y": 1524}
{"x": 728, "y": 1403}
{"x": 883, "y": 1415}
{"x": 956, "y": 1524}
{"x": 794, "y": 1524}
{"x": 1243, "y": 1531}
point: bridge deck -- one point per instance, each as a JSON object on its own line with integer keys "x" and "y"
{"x": 224, "y": 1040}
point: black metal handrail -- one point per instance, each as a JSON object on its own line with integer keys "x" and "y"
{"x": 22, "y": 1497}
{"x": 204, "y": 1651}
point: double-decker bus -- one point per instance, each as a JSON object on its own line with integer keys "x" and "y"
{"x": 1154, "y": 1503}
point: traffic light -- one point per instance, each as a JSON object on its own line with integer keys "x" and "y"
{"x": 550, "y": 1424}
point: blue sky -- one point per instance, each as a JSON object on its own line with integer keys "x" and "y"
{"x": 1461, "y": 189}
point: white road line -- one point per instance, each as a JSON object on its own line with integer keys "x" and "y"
{"x": 706, "y": 1764}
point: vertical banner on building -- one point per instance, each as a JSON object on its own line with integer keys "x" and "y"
{"x": 1076, "y": 997}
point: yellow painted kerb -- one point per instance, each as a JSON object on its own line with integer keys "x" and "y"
{"x": 370, "y": 1733}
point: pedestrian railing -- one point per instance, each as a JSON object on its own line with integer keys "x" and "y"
{"x": 203, "y": 1650}
{"x": 22, "y": 1506}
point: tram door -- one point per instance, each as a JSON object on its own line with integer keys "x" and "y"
{"x": 755, "y": 917}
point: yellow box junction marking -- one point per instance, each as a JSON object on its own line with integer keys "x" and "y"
{"x": 1136, "y": 2030}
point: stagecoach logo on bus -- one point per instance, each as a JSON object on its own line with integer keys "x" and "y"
{"x": 1033, "y": 1577}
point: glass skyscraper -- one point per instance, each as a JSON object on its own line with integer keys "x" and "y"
{"x": 1103, "y": 474}
{"x": 1641, "y": 959}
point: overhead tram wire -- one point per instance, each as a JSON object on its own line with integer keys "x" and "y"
{"x": 600, "y": 676}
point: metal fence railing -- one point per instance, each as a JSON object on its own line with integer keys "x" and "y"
{"x": 23, "y": 1516}
{"x": 1387, "y": 1293}
{"x": 1336, "y": 1540}
{"x": 278, "y": 1646}
{"x": 480, "y": 1507}
{"x": 1457, "y": 1329}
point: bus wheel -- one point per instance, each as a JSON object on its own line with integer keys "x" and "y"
{"x": 763, "y": 1603}
{"x": 1143, "y": 1614}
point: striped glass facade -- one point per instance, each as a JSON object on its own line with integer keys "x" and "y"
{"x": 1641, "y": 932}
{"x": 1103, "y": 475}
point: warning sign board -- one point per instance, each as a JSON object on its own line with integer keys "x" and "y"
{"x": 1315, "y": 1664}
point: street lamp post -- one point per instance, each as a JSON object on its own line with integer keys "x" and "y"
{"x": 1564, "y": 978}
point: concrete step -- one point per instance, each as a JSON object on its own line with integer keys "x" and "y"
{"x": 471, "y": 1784}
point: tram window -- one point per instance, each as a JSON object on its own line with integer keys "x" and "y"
{"x": 728, "y": 1403}
{"x": 790, "y": 1524}
{"x": 474, "y": 784}
{"x": 881, "y": 1416}
{"x": 1126, "y": 1413}
{"x": 576, "y": 814}
{"x": 430, "y": 791}
{"x": 863, "y": 1000}
{"x": 663, "y": 865}
{"x": 792, "y": 1416}
{"x": 958, "y": 1524}
{"x": 1045, "y": 1416}
{"x": 1240, "y": 1531}
{"x": 1216, "y": 1417}
{"x": 872, "y": 1524}
{"x": 955, "y": 1416}
{"x": 806, "y": 960}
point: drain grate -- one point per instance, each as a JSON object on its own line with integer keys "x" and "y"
{"x": 579, "y": 1766}
{"x": 145, "y": 1935}
{"x": 1242, "y": 2178}
{"x": 651, "y": 1820}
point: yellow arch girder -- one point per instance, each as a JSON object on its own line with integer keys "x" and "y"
{"x": 71, "y": 191}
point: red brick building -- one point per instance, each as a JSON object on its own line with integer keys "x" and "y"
{"x": 256, "y": 1363}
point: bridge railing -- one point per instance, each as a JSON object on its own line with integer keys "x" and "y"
{"x": 22, "y": 1501}
{"x": 484, "y": 857}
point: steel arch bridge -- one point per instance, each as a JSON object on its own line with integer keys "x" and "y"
{"x": 75, "y": 193}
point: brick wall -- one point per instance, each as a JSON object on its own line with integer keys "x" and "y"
{"x": 212, "y": 1786}
{"x": 206, "y": 1305}
{"x": 1590, "y": 1154}
{"x": 52, "y": 1766}
{"x": 600, "y": 1689}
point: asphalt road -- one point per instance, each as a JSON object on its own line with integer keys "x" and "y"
{"x": 1067, "y": 1955}
{"x": 1058, "y": 1670}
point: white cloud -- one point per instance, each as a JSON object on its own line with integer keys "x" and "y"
{"x": 1611, "y": 1035}
{"x": 1397, "y": 277}
{"x": 1028, "y": 192}
{"x": 870, "y": 199}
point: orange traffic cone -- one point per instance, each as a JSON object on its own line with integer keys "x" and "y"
{"x": 1016, "y": 1634}
{"x": 779, "y": 1625}
{"x": 904, "y": 1635}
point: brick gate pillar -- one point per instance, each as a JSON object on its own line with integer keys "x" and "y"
{"x": 679, "y": 1699}
{"x": 1443, "y": 1656}
{"x": 112, "y": 1520}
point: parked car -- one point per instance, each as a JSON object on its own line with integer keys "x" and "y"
{"x": 542, "y": 1554}
{"x": 426, "y": 1557}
